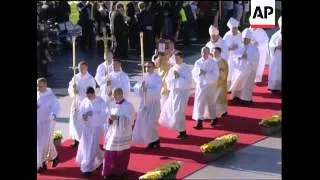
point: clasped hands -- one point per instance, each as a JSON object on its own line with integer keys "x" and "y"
{"x": 176, "y": 74}
{"x": 113, "y": 118}
{"x": 144, "y": 86}
{"x": 202, "y": 72}
{"x": 86, "y": 116}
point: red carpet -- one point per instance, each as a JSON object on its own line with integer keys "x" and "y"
{"x": 241, "y": 120}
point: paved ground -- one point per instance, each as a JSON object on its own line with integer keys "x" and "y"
{"x": 259, "y": 161}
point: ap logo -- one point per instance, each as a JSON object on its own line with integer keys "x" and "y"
{"x": 262, "y": 14}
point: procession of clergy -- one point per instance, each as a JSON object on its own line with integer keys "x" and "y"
{"x": 232, "y": 64}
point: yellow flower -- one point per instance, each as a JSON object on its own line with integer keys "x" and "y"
{"x": 57, "y": 135}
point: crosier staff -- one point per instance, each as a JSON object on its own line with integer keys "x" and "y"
{"x": 107, "y": 57}
{"x": 142, "y": 67}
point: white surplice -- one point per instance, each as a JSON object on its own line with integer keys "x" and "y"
{"x": 231, "y": 40}
{"x": 89, "y": 156}
{"x": 261, "y": 37}
{"x": 47, "y": 107}
{"x": 244, "y": 72}
{"x": 82, "y": 82}
{"x": 173, "y": 113}
{"x": 119, "y": 133}
{"x": 101, "y": 73}
{"x": 145, "y": 130}
{"x": 222, "y": 44}
{"x": 206, "y": 86}
{"x": 274, "y": 80}
{"x": 118, "y": 80}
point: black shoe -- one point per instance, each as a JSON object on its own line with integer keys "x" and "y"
{"x": 247, "y": 103}
{"x": 100, "y": 167}
{"x": 156, "y": 144}
{"x": 55, "y": 162}
{"x": 224, "y": 114}
{"x": 149, "y": 147}
{"x": 87, "y": 174}
{"x": 214, "y": 122}
{"x": 182, "y": 135}
{"x": 275, "y": 91}
{"x": 199, "y": 125}
{"x": 75, "y": 143}
{"x": 43, "y": 168}
{"x": 112, "y": 177}
{"x": 153, "y": 145}
{"x": 236, "y": 99}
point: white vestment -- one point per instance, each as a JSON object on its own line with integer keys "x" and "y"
{"x": 261, "y": 37}
{"x": 231, "y": 40}
{"x": 82, "y": 82}
{"x": 89, "y": 155}
{"x": 220, "y": 43}
{"x": 173, "y": 113}
{"x": 119, "y": 133}
{"x": 118, "y": 80}
{"x": 274, "y": 80}
{"x": 47, "y": 107}
{"x": 244, "y": 72}
{"x": 206, "y": 85}
{"x": 101, "y": 73}
{"x": 145, "y": 130}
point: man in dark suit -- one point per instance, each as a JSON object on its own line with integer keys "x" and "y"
{"x": 119, "y": 29}
{"x": 146, "y": 25}
{"x": 86, "y": 23}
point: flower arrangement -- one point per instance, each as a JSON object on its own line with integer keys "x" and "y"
{"x": 57, "y": 135}
{"x": 271, "y": 122}
{"x": 220, "y": 143}
{"x": 167, "y": 171}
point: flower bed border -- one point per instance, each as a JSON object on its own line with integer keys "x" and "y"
{"x": 171, "y": 175}
{"x": 220, "y": 153}
{"x": 271, "y": 130}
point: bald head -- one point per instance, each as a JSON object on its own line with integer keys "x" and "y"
{"x": 205, "y": 52}
{"x": 118, "y": 94}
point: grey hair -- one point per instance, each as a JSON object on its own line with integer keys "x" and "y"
{"x": 42, "y": 79}
{"x": 205, "y": 47}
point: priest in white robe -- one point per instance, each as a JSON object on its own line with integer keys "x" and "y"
{"x": 117, "y": 79}
{"x": 47, "y": 110}
{"x": 77, "y": 90}
{"x": 217, "y": 41}
{"x": 104, "y": 68}
{"x": 118, "y": 138}
{"x": 93, "y": 117}
{"x": 233, "y": 40}
{"x": 146, "y": 126}
{"x": 275, "y": 45}
{"x": 247, "y": 58}
{"x": 260, "y": 39}
{"x": 205, "y": 73}
{"x": 179, "y": 82}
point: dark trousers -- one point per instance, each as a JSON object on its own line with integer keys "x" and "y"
{"x": 122, "y": 46}
{"x": 204, "y": 24}
{"x": 133, "y": 37}
{"x": 148, "y": 44}
{"x": 87, "y": 38}
{"x": 185, "y": 32}
{"x": 225, "y": 16}
{"x": 41, "y": 66}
